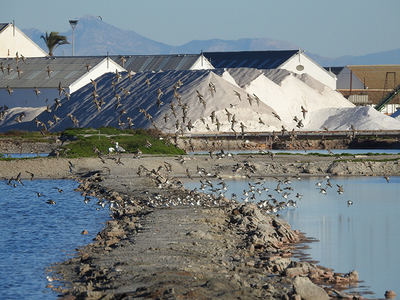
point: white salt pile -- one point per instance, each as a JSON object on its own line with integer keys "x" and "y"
{"x": 360, "y": 118}
{"x": 209, "y": 101}
{"x": 20, "y": 114}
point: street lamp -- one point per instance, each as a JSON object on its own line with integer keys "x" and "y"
{"x": 73, "y": 24}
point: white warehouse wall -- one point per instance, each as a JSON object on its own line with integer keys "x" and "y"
{"x": 202, "y": 63}
{"x": 311, "y": 68}
{"x": 10, "y": 44}
{"x": 107, "y": 65}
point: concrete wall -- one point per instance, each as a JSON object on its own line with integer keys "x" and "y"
{"x": 311, "y": 68}
{"x": 13, "y": 41}
{"x": 26, "y": 97}
{"x": 107, "y": 65}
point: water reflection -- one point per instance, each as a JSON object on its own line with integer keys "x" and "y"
{"x": 35, "y": 234}
{"x": 25, "y": 155}
{"x": 363, "y": 236}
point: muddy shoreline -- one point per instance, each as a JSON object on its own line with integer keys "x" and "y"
{"x": 197, "y": 247}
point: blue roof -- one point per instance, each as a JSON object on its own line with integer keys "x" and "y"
{"x": 3, "y": 25}
{"x": 396, "y": 114}
{"x": 249, "y": 59}
{"x": 144, "y": 63}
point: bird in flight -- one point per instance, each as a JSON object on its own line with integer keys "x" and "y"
{"x": 304, "y": 111}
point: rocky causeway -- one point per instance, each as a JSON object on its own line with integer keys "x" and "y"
{"x": 166, "y": 242}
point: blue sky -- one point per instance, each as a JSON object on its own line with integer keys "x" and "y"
{"x": 325, "y": 27}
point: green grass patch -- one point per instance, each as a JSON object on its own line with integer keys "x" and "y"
{"x": 28, "y": 136}
{"x": 84, "y": 141}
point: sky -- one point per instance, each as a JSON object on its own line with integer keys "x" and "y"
{"x": 325, "y": 27}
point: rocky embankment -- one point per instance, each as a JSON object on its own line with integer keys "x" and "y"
{"x": 23, "y": 146}
{"x": 167, "y": 242}
{"x": 216, "y": 248}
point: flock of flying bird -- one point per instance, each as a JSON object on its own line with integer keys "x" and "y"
{"x": 178, "y": 107}
{"x": 17, "y": 181}
{"x": 271, "y": 203}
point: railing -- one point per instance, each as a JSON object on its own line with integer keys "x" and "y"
{"x": 387, "y": 99}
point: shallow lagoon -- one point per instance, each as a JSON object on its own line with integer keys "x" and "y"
{"x": 364, "y": 236}
{"x": 36, "y": 234}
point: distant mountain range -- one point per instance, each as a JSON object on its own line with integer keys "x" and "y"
{"x": 95, "y": 37}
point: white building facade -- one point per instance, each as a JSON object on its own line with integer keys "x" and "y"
{"x": 302, "y": 64}
{"x": 13, "y": 41}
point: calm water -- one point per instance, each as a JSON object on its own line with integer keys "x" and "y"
{"x": 25, "y": 155}
{"x": 335, "y": 151}
{"x": 364, "y": 236}
{"x": 35, "y": 234}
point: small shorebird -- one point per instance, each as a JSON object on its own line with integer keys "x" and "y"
{"x": 238, "y": 95}
{"x": 37, "y": 91}
{"x": 304, "y": 111}
{"x": 58, "y": 189}
{"x": 9, "y": 90}
{"x": 340, "y": 189}
{"x": 276, "y": 116}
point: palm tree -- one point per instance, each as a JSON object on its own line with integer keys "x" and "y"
{"x": 53, "y": 40}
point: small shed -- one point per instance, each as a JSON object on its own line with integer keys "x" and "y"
{"x": 295, "y": 61}
{"x": 13, "y": 41}
{"x": 20, "y": 80}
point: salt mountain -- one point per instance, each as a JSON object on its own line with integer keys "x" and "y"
{"x": 205, "y": 101}
{"x": 96, "y": 37}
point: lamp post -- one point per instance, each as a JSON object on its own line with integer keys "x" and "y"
{"x": 73, "y": 24}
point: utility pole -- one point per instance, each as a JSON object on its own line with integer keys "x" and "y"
{"x": 73, "y": 24}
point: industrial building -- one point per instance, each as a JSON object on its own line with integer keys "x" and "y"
{"x": 156, "y": 63}
{"x": 370, "y": 85}
{"x": 35, "y": 82}
{"x": 295, "y": 61}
